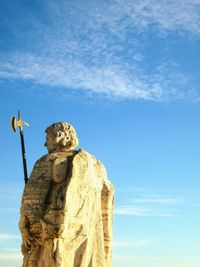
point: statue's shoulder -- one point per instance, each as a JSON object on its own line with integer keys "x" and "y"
{"x": 85, "y": 155}
{"x": 52, "y": 157}
{"x": 82, "y": 152}
{"x": 42, "y": 159}
{"x": 96, "y": 167}
{"x": 91, "y": 160}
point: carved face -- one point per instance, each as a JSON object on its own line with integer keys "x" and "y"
{"x": 60, "y": 137}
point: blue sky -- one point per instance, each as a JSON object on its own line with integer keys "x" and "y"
{"x": 125, "y": 74}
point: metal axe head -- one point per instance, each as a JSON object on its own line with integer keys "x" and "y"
{"x": 18, "y": 123}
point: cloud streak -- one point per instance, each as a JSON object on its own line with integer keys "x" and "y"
{"x": 7, "y": 237}
{"x": 132, "y": 243}
{"x": 110, "y": 80}
{"x": 98, "y": 48}
{"x": 150, "y": 202}
{"x": 10, "y": 256}
{"x": 157, "y": 200}
{"x": 143, "y": 212}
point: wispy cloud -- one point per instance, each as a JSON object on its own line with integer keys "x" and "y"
{"x": 6, "y": 237}
{"x": 111, "y": 79}
{"x": 137, "y": 211}
{"x": 150, "y": 202}
{"x": 97, "y": 47}
{"x": 11, "y": 250}
{"x": 9, "y": 194}
{"x": 167, "y": 15}
{"x": 157, "y": 200}
{"x": 132, "y": 243}
{"x": 10, "y": 256}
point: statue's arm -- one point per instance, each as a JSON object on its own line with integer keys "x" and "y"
{"x": 27, "y": 238}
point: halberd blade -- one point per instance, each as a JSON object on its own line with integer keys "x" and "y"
{"x": 14, "y": 124}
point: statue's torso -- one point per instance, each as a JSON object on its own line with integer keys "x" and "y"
{"x": 63, "y": 201}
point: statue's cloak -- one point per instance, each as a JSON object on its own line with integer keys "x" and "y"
{"x": 71, "y": 218}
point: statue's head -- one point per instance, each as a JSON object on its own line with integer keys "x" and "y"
{"x": 61, "y": 136}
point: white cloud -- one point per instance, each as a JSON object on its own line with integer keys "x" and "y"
{"x": 151, "y": 202}
{"x": 95, "y": 47}
{"x": 110, "y": 80}
{"x": 138, "y": 211}
{"x": 132, "y": 243}
{"x": 157, "y": 200}
{"x": 129, "y": 210}
{"x": 128, "y": 260}
{"x": 6, "y": 237}
{"x": 11, "y": 250}
{"x": 10, "y": 256}
{"x": 167, "y": 15}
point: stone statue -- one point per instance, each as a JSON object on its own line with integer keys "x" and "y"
{"x": 67, "y": 206}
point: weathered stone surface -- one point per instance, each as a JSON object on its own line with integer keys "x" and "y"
{"x": 67, "y": 207}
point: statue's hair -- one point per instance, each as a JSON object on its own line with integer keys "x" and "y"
{"x": 64, "y": 132}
